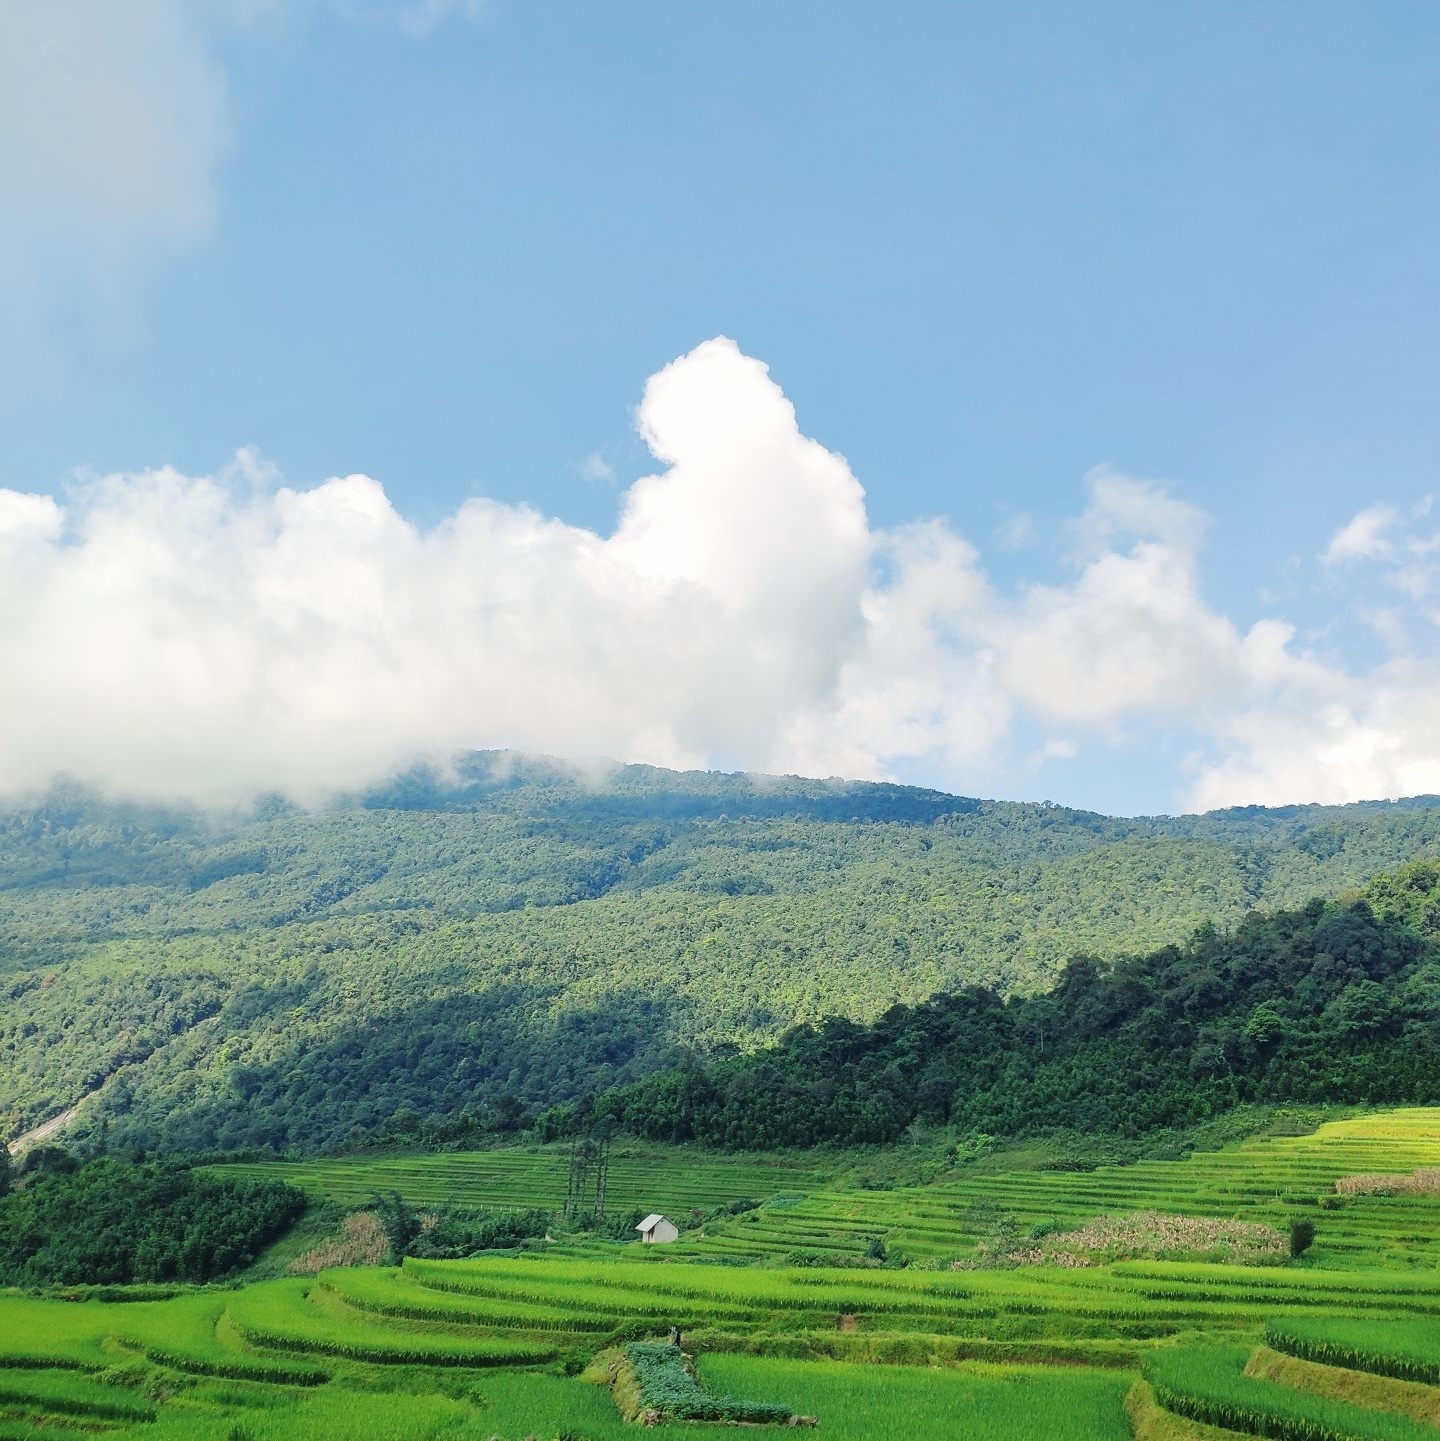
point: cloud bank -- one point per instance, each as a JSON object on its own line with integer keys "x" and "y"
{"x": 210, "y": 638}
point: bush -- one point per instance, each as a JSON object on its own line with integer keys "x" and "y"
{"x": 667, "y": 1387}
{"x": 454, "y": 1234}
{"x": 1302, "y": 1237}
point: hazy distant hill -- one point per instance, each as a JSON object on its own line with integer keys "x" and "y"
{"x": 280, "y": 978}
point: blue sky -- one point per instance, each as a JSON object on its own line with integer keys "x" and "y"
{"x": 983, "y": 249}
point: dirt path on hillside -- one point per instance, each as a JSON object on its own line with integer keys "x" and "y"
{"x": 55, "y": 1124}
{"x": 46, "y": 1129}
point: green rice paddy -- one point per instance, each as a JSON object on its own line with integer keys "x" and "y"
{"x": 639, "y": 1178}
{"x": 1406, "y": 1348}
{"x": 778, "y": 1306}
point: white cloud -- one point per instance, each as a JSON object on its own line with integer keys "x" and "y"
{"x": 1122, "y": 508}
{"x": 1325, "y": 736}
{"x": 28, "y": 517}
{"x": 1016, "y": 531}
{"x": 1366, "y": 536}
{"x": 1130, "y": 635}
{"x": 116, "y": 116}
{"x": 1384, "y": 552}
{"x": 212, "y": 637}
{"x": 207, "y": 637}
{"x": 1060, "y": 748}
{"x": 597, "y": 469}
{"x": 918, "y": 683}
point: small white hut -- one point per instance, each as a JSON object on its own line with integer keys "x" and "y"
{"x": 656, "y": 1230}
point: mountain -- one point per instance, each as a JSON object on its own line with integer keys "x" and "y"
{"x": 290, "y": 979}
{"x": 1334, "y": 1002}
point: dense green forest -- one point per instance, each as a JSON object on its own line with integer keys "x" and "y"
{"x": 110, "y": 1221}
{"x": 514, "y": 935}
{"x": 1330, "y": 1002}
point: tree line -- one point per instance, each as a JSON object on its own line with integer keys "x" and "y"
{"x": 114, "y": 1221}
{"x": 1331, "y": 1002}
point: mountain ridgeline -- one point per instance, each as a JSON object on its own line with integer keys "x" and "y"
{"x": 455, "y": 951}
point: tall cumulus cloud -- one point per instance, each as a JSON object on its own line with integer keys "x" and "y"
{"x": 212, "y": 638}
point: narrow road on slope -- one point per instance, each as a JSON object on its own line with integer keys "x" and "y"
{"x": 46, "y": 1129}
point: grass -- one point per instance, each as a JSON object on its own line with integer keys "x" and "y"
{"x": 1209, "y": 1384}
{"x": 194, "y": 1335}
{"x": 1360, "y": 1388}
{"x": 392, "y": 1293}
{"x": 275, "y": 1315}
{"x": 1150, "y": 1421}
{"x": 70, "y": 1393}
{"x": 857, "y": 1403}
{"x": 1406, "y": 1348}
{"x": 1270, "y": 1180}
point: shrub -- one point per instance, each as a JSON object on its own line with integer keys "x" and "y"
{"x": 1302, "y": 1237}
{"x": 667, "y": 1387}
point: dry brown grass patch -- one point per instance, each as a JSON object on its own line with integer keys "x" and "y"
{"x": 1423, "y": 1181}
{"x": 361, "y": 1242}
{"x": 1156, "y": 1236}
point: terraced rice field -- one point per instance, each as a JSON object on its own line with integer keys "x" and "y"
{"x": 518, "y": 1178}
{"x": 238, "y": 1381}
{"x": 1406, "y": 1348}
{"x": 1274, "y": 1180}
{"x": 1100, "y": 1314}
{"x": 1340, "y": 1346}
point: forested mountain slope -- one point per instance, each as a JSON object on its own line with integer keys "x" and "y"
{"x": 283, "y": 978}
{"x": 1331, "y": 1002}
